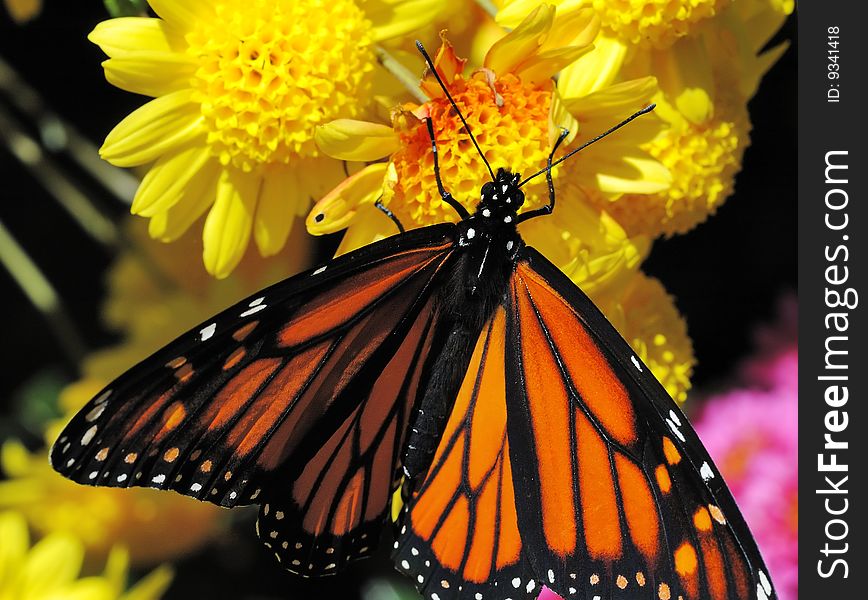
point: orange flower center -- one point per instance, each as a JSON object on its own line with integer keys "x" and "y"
{"x": 511, "y": 124}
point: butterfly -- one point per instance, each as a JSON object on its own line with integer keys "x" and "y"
{"x": 453, "y": 365}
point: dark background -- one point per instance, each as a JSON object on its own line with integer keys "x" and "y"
{"x": 726, "y": 275}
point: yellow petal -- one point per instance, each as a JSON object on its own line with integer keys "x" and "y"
{"x": 338, "y": 209}
{"x": 521, "y": 43}
{"x": 16, "y": 543}
{"x": 227, "y": 227}
{"x": 513, "y": 13}
{"x": 637, "y": 173}
{"x": 545, "y": 64}
{"x": 593, "y": 71}
{"x": 393, "y": 18}
{"x": 151, "y": 586}
{"x": 150, "y": 131}
{"x": 90, "y": 588}
{"x": 150, "y": 73}
{"x": 686, "y": 78}
{"x": 370, "y": 226}
{"x": 616, "y": 101}
{"x": 276, "y": 209}
{"x": 573, "y": 28}
{"x": 198, "y": 194}
{"x": 348, "y": 139}
{"x": 560, "y": 117}
{"x": 52, "y": 563}
{"x": 165, "y": 183}
{"x": 183, "y": 15}
{"x": 117, "y": 37}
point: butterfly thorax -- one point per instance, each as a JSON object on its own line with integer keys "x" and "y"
{"x": 490, "y": 235}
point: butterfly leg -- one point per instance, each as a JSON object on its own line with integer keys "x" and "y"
{"x": 548, "y": 208}
{"x": 446, "y": 196}
{"x": 383, "y": 209}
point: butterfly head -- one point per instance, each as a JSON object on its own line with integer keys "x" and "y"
{"x": 501, "y": 197}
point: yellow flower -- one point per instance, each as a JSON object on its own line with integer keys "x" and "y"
{"x": 154, "y": 525}
{"x": 705, "y": 81}
{"x": 647, "y": 318}
{"x": 703, "y": 158}
{"x": 515, "y": 111}
{"x": 51, "y": 569}
{"x": 644, "y": 23}
{"x": 239, "y": 87}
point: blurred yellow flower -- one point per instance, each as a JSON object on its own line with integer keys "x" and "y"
{"x": 155, "y": 293}
{"x": 706, "y": 77}
{"x": 516, "y": 112}
{"x": 647, "y": 318}
{"x": 643, "y": 23}
{"x": 239, "y": 87}
{"x": 22, "y": 11}
{"x": 51, "y": 569}
{"x": 155, "y": 526}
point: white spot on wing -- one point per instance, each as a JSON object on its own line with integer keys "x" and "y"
{"x": 708, "y": 474}
{"x": 675, "y": 429}
{"x": 206, "y": 332}
{"x": 674, "y": 416}
{"x": 551, "y": 576}
{"x": 195, "y": 487}
{"x": 102, "y": 397}
{"x": 95, "y": 413}
{"x": 122, "y": 477}
{"x": 636, "y": 363}
{"x": 159, "y": 478}
{"x": 405, "y": 565}
{"x": 255, "y": 307}
{"x": 320, "y": 270}
{"x": 516, "y": 582}
{"x": 530, "y": 585}
{"x": 88, "y": 436}
{"x": 767, "y": 585}
{"x": 471, "y": 233}
{"x": 761, "y": 593}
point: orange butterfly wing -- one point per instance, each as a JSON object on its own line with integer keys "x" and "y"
{"x": 460, "y": 531}
{"x": 614, "y": 496}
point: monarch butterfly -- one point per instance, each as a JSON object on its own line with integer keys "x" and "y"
{"x": 453, "y": 363}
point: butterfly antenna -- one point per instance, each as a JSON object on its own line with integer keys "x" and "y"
{"x": 635, "y": 115}
{"x": 452, "y": 102}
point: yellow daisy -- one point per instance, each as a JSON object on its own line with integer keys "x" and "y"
{"x": 706, "y": 81}
{"x": 643, "y": 23}
{"x": 239, "y": 87}
{"x": 51, "y": 569}
{"x": 515, "y": 111}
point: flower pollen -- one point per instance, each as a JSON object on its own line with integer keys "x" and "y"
{"x": 269, "y": 72}
{"x": 513, "y": 134}
{"x": 703, "y": 160}
{"x": 655, "y": 22}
